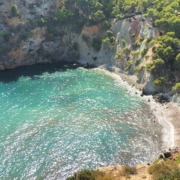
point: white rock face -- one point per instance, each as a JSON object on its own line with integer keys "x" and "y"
{"x": 122, "y": 29}
{"x": 38, "y": 48}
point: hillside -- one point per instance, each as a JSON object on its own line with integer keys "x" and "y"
{"x": 138, "y": 37}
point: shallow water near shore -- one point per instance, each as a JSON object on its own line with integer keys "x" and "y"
{"x": 58, "y": 119}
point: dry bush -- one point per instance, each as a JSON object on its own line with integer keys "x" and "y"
{"x": 128, "y": 170}
{"x": 162, "y": 168}
{"x": 106, "y": 176}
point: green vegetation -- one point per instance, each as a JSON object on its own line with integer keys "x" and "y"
{"x": 159, "y": 82}
{"x": 155, "y": 65}
{"x": 176, "y": 87}
{"x": 14, "y": 10}
{"x": 137, "y": 44}
{"x": 75, "y": 46}
{"x": 42, "y": 22}
{"x": 96, "y": 43}
{"x": 98, "y": 16}
{"x": 119, "y": 54}
{"x": 161, "y": 169}
{"x": 178, "y": 159}
{"x": 74, "y": 14}
{"x": 5, "y": 36}
{"x": 177, "y": 62}
{"x": 128, "y": 170}
{"x": 129, "y": 64}
{"x": 137, "y": 61}
{"x": 84, "y": 175}
{"x": 108, "y": 39}
{"x": 134, "y": 53}
{"x": 63, "y": 14}
{"x": 106, "y": 24}
{"x": 85, "y": 38}
{"x": 50, "y": 37}
{"x": 26, "y": 35}
{"x": 138, "y": 69}
{"x": 123, "y": 42}
{"x": 144, "y": 51}
{"x": 126, "y": 49}
{"x": 173, "y": 176}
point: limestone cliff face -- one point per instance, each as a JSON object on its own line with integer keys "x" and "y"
{"x": 24, "y": 42}
{"x": 133, "y": 30}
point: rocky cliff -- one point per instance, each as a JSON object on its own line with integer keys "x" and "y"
{"x": 24, "y": 41}
{"x": 33, "y": 37}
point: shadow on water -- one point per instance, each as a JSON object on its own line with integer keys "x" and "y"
{"x": 11, "y": 75}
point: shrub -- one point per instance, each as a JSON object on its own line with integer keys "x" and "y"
{"x": 5, "y": 36}
{"x": 96, "y": 43}
{"x": 109, "y": 33}
{"x": 50, "y": 37}
{"x": 112, "y": 48}
{"x": 106, "y": 24}
{"x": 106, "y": 41}
{"x": 134, "y": 53}
{"x": 141, "y": 38}
{"x": 161, "y": 169}
{"x": 14, "y": 10}
{"x": 129, "y": 64}
{"x": 119, "y": 54}
{"x": 63, "y": 14}
{"x": 138, "y": 69}
{"x": 128, "y": 170}
{"x": 42, "y": 22}
{"x": 146, "y": 56}
{"x": 159, "y": 81}
{"x": 133, "y": 35}
{"x": 85, "y": 38}
{"x": 150, "y": 66}
{"x": 75, "y": 46}
{"x": 144, "y": 51}
{"x": 155, "y": 56}
{"x": 137, "y": 44}
{"x": 98, "y": 16}
{"x": 123, "y": 42}
{"x": 152, "y": 42}
{"x": 172, "y": 176}
{"x": 112, "y": 39}
{"x": 176, "y": 87}
{"x": 84, "y": 175}
{"x": 126, "y": 49}
{"x": 31, "y": 22}
{"x": 157, "y": 160}
{"x": 119, "y": 16}
{"x": 4, "y": 49}
{"x": 178, "y": 158}
{"x": 137, "y": 61}
{"x": 26, "y": 35}
{"x": 158, "y": 62}
{"x": 154, "y": 65}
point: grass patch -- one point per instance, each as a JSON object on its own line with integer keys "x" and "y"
{"x": 128, "y": 170}
{"x": 161, "y": 169}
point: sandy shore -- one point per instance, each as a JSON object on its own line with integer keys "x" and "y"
{"x": 168, "y": 114}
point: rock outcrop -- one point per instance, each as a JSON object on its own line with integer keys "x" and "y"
{"x": 24, "y": 41}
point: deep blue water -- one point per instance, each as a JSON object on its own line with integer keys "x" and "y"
{"x": 56, "y": 120}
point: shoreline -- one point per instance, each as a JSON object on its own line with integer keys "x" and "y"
{"x": 167, "y": 114}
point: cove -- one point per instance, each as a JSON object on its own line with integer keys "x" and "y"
{"x": 57, "y": 119}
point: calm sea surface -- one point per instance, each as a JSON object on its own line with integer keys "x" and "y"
{"x": 58, "y": 119}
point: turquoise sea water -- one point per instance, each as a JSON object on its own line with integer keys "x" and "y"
{"x": 56, "y": 120}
